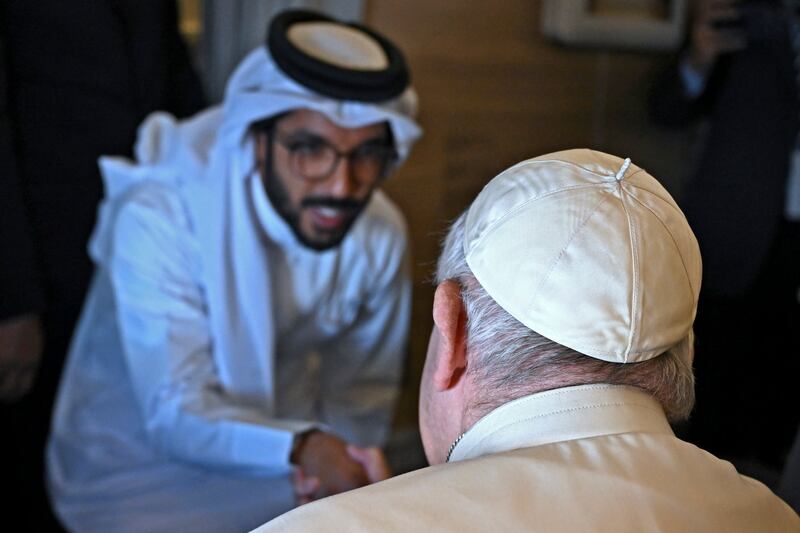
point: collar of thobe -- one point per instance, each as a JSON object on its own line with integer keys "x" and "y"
{"x": 560, "y": 415}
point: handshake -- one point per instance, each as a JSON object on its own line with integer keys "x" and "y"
{"x": 327, "y": 465}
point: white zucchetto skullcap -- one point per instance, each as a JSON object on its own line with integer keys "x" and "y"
{"x": 589, "y": 251}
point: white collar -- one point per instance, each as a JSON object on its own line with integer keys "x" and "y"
{"x": 560, "y": 415}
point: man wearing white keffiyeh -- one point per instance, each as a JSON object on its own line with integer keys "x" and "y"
{"x": 241, "y": 345}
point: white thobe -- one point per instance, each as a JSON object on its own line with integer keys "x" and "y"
{"x": 166, "y": 420}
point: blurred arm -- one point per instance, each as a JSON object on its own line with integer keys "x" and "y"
{"x": 165, "y": 332}
{"x": 165, "y": 77}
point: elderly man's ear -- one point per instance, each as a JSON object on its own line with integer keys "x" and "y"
{"x": 450, "y": 321}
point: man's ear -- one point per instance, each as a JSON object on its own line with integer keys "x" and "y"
{"x": 450, "y": 321}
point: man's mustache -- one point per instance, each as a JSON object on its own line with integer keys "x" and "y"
{"x": 345, "y": 204}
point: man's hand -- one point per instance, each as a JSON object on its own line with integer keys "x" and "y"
{"x": 20, "y": 354}
{"x": 373, "y": 461}
{"x": 325, "y": 467}
{"x": 709, "y": 40}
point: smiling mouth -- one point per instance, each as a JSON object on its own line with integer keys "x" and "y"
{"x": 329, "y": 218}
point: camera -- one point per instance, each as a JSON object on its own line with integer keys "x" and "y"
{"x": 760, "y": 21}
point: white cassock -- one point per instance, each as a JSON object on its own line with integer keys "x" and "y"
{"x": 599, "y": 458}
{"x": 210, "y": 336}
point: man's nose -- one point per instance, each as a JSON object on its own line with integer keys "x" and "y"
{"x": 341, "y": 182}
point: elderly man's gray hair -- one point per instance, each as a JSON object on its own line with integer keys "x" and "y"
{"x": 509, "y": 360}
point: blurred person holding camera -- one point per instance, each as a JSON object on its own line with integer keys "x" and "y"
{"x": 740, "y": 72}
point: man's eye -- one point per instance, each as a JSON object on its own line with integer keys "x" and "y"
{"x": 307, "y": 148}
{"x": 373, "y": 151}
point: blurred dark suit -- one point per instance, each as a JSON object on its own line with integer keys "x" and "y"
{"x": 77, "y": 79}
{"x": 747, "y": 323}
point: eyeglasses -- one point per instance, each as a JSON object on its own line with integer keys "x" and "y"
{"x": 315, "y": 159}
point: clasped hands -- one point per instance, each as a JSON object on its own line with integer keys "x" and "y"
{"x": 327, "y": 465}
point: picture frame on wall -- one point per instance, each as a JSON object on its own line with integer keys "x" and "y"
{"x": 628, "y": 24}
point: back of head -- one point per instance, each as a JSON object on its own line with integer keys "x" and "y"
{"x": 576, "y": 267}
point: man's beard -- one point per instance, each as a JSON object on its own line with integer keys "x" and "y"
{"x": 279, "y": 198}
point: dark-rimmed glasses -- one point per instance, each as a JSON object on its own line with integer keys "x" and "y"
{"x": 313, "y": 158}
